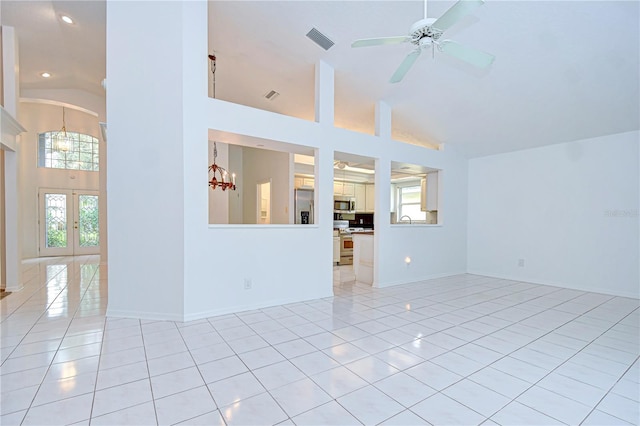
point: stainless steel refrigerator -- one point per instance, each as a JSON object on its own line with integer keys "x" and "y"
{"x": 304, "y": 206}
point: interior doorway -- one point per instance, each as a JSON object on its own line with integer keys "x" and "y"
{"x": 68, "y": 222}
{"x": 264, "y": 203}
{"x": 353, "y": 214}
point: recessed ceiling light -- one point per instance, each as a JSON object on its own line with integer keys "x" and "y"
{"x": 66, "y": 19}
{"x": 45, "y": 75}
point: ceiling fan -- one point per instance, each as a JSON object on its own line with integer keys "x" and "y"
{"x": 426, "y": 33}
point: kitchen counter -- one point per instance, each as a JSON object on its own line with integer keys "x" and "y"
{"x": 363, "y": 256}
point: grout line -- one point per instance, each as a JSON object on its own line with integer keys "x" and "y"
{"x": 63, "y": 336}
{"x": 355, "y": 305}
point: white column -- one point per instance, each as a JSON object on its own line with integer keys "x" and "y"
{"x": 3, "y": 260}
{"x": 145, "y": 184}
{"x": 13, "y": 242}
{"x": 381, "y": 220}
{"x": 324, "y": 93}
{"x": 10, "y": 71}
{"x": 383, "y": 120}
{"x": 102, "y": 206}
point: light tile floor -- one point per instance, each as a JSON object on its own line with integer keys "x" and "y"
{"x": 459, "y": 350}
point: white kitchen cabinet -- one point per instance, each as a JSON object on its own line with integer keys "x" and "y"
{"x": 346, "y": 189}
{"x": 370, "y": 204}
{"x": 429, "y": 192}
{"x": 303, "y": 182}
{"x": 361, "y": 198}
{"x": 336, "y": 247}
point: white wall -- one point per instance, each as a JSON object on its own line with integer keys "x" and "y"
{"x": 92, "y": 103}
{"x": 81, "y": 98}
{"x": 435, "y": 250}
{"x": 260, "y": 166}
{"x": 38, "y": 118}
{"x": 569, "y": 210}
{"x": 165, "y": 260}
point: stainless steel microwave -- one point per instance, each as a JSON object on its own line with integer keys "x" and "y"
{"x": 344, "y": 205}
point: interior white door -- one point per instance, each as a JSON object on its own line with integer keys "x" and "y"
{"x": 69, "y": 222}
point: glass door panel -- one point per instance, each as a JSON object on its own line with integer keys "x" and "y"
{"x": 55, "y": 218}
{"x": 69, "y": 222}
{"x": 86, "y": 223}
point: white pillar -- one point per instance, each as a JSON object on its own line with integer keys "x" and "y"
{"x": 10, "y": 71}
{"x": 13, "y": 242}
{"x": 381, "y": 220}
{"x": 102, "y": 206}
{"x": 3, "y": 278}
{"x": 324, "y": 101}
{"x": 146, "y": 177}
{"x": 383, "y": 120}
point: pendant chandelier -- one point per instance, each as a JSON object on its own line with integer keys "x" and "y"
{"x": 220, "y": 183}
{"x": 223, "y": 182}
{"x": 61, "y": 141}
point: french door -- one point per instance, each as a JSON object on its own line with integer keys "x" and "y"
{"x": 69, "y": 222}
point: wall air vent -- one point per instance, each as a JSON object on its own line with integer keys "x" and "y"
{"x": 271, "y": 95}
{"x": 320, "y": 39}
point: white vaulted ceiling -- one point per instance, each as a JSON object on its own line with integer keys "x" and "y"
{"x": 75, "y": 55}
{"x": 564, "y": 70}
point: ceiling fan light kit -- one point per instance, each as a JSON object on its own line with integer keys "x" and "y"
{"x": 422, "y": 32}
{"x": 426, "y": 33}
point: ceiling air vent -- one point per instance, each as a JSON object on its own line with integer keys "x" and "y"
{"x": 271, "y": 95}
{"x": 320, "y": 39}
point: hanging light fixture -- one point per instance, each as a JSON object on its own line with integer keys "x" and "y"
{"x": 224, "y": 182}
{"x": 61, "y": 141}
{"x": 220, "y": 183}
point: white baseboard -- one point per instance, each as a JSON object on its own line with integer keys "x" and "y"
{"x": 249, "y": 307}
{"x": 553, "y": 284}
{"x": 425, "y": 278}
{"x": 157, "y": 316}
{"x": 13, "y": 289}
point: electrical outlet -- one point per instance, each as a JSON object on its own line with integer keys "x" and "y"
{"x": 247, "y": 284}
{"x": 521, "y": 263}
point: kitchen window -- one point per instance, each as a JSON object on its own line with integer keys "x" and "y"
{"x": 83, "y": 153}
{"x": 409, "y": 204}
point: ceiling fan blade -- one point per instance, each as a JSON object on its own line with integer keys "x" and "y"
{"x": 468, "y": 54}
{"x": 366, "y": 42}
{"x": 405, "y": 66}
{"x": 455, "y": 13}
